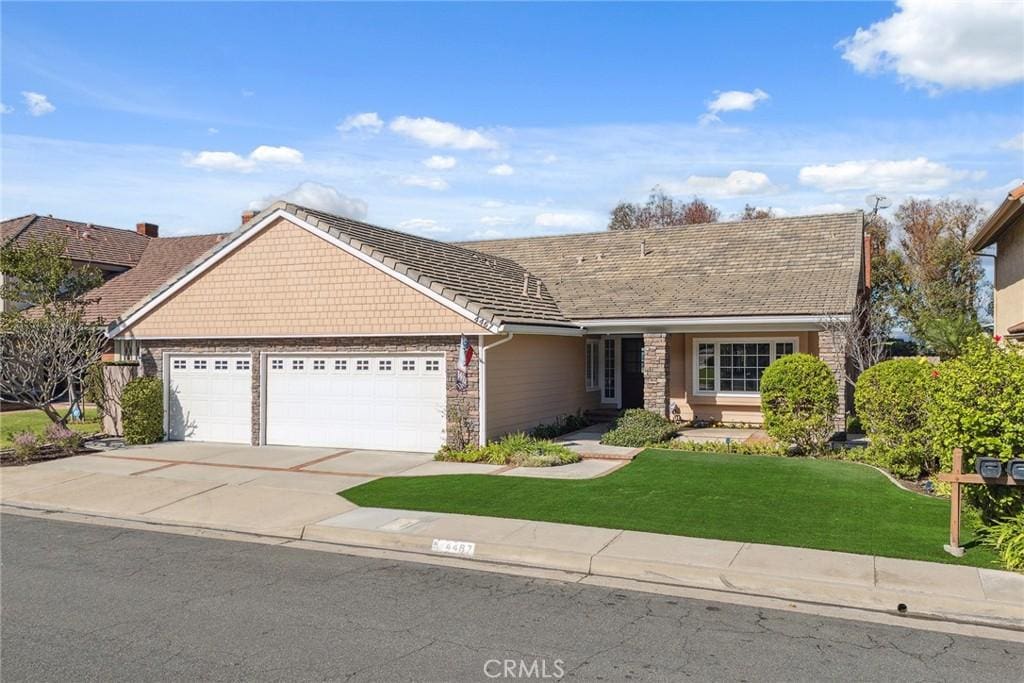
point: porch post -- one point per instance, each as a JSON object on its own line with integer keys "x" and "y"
{"x": 835, "y": 359}
{"x": 656, "y": 372}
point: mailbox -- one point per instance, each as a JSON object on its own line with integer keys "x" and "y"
{"x": 1015, "y": 468}
{"x": 989, "y": 468}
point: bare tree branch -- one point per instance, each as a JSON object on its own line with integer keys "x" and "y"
{"x": 860, "y": 338}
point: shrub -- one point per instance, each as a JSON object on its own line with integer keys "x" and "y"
{"x": 747, "y": 448}
{"x": 799, "y": 400}
{"x": 1006, "y": 537}
{"x": 638, "y": 427}
{"x": 26, "y": 446}
{"x": 563, "y": 424}
{"x": 68, "y": 440}
{"x": 142, "y": 410}
{"x": 976, "y": 404}
{"x": 891, "y": 399}
{"x": 518, "y": 450}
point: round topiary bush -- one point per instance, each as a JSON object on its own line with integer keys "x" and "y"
{"x": 799, "y": 399}
{"x": 978, "y": 404}
{"x": 142, "y": 410}
{"x": 891, "y": 399}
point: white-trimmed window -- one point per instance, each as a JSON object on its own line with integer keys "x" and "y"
{"x": 593, "y": 365}
{"x": 735, "y": 366}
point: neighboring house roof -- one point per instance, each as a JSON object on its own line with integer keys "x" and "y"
{"x": 86, "y": 242}
{"x": 1001, "y": 219}
{"x": 162, "y": 258}
{"x": 1016, "y": 329}
{"x": 808, "y": 265}
{"x": 781, "y": 266}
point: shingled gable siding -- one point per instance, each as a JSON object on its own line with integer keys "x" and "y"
{"x": 286, "y": 281}
{"x": 467, "y": 403}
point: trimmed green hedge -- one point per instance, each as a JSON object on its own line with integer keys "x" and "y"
{"x": 142, "y": 410}
{"x": 891, "y": 399}
{"x": 638, "y": 427}
{"x": 799, "y": 399}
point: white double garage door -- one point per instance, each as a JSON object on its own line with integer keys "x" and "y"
{"x": 371, "y": 401}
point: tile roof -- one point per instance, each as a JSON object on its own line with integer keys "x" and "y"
{"x": 807, "y": 265}
{"x": 162, "y": 258}
{"x": 86, "y": 242}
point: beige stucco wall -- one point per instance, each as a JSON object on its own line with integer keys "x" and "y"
{"x": 534, "y": 379}
{"x": 731, "y": 409}
{"x": 287, "y": 281}
{"x": 1009, "y": 278}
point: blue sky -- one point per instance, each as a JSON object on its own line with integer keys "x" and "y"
{"x": 460, "y": 121}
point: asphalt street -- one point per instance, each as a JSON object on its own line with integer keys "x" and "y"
{"x": 83, "y": 602}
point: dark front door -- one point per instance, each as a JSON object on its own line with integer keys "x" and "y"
{"x": 632, "y": 372}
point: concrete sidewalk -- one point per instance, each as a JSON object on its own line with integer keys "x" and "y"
{"x": 876, "y": 583}
{"x": 300, "y": 506}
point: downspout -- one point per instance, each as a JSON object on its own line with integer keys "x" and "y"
{"x": 483, "y": 383}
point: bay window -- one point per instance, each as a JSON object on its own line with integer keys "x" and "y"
{"x": 735, "y": 366}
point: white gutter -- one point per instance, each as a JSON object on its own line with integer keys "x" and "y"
{"x": 696, "y": 324}
{"x": 482, "y": 364}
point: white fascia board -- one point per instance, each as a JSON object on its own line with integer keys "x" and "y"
{"x": 550, "y": 330}
{"x": 313, "y": 230}
{"x": 719, "y": 324}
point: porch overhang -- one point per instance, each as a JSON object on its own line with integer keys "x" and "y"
{"x": 738, "y": 323}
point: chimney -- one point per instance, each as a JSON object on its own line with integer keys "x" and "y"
{"x": 643, "y": 247}
{"x": 148, "y": 229}
{"x": 248, "y": 216}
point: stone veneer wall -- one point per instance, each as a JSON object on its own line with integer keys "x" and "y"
{"x": 466, "y": 404}
{"x": 835, "y": 360}
{"x": 656, "y": 373}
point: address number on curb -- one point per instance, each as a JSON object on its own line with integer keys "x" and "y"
{"x": 453, "y": 547}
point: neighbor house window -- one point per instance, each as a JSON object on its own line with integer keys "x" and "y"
{"x": 735, "y": 366}
{"x": 593, "y": 365}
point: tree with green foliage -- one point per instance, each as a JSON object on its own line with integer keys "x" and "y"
{"x": 47, "y": 342}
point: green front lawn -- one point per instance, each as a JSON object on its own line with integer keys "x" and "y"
{"x": 823, "y": 504}
{"x": 18, "y": 421}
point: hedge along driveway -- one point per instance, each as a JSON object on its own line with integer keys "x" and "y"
{"x": 824, "y": 504}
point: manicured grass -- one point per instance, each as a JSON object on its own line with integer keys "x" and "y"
{"x": 18, "y": 421}
{"x": 822, "y": 504}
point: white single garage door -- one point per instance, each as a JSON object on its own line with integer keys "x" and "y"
{"x": 209, "y": 398}
{"x": 385, "y": 402}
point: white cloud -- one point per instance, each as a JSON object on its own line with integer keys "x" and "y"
{"x": 944, "y": 45}
{"x": 38, "y": 104}
{"x": 440, "y": 163}
{"x": 1015, "y": 144}
{"x": 573, "y": 221}
{"x": 502, "y": 169}
{"x": 212, "y": 131}
{"x": 431, "y": 183}
{"x": 732, "y": 100}
{"x": 906, "y": 175}
{"x": 320, "y": 197}
{"x": 276, "y": 155}
{"x": 5, "y": 109}
{"x": 248, "y": 93}
{"x": 486, "y": 234}
{"x": 497, "y": 220}
{"x": 492, "y": 204}
{"x": 736, "y": 184}
{"x": 426, "y": 226}
{"x": 434, "y": 133}
{"x": 829, "y": 207}
{"x": 368, "y": 121}
{"x": 230, "y": 161}
{"x": 550, "y": 159}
